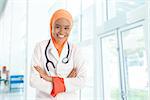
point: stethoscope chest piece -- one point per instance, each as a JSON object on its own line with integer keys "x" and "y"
{"x": 65, "y": 60}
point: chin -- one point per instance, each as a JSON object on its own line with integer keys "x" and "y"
{"x": 61, "y": 41}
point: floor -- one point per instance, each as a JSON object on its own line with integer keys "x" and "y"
{"x": 12, "y": 96}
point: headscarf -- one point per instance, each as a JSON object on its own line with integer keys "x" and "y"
{"x": 61, "y": 13}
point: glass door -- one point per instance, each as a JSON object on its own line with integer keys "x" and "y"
{"x": 135, "y": 63}
{"x": 110, "y": 62}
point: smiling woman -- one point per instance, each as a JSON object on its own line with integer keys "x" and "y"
{"x": 58, "y": 68}
{"x": 2, "y": 5}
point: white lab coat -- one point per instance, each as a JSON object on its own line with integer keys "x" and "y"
{"x": 72, "y": 85}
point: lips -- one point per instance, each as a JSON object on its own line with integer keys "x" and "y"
{"x": 61, "y": 35}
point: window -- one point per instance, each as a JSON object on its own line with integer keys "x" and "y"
{"x": 110, "y": 66}
{"x": 87, "y": 93}
{"x": 135, "y": 63}
{"x": 74, "y": 6}
{"x": 117, "y": 7}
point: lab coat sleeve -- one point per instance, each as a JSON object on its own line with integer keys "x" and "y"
{"x": 73, "y": 84}
{"x": 35, "y": 80}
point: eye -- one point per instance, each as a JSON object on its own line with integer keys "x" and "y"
{"x": 57, "y": 27}
{"x": 66, "y": 28}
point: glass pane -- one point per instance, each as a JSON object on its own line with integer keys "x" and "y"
{"x": 99, "y": 12}
{"x": 135, "y": 64}
{"x": 75, "y": 32}
{"x": 115, "y": 7}
{"x": 74, "y": 6}
{"x": 88, "y": 23}
{"x": 110, "y": 68}
{"x": 2, "y": 5}
{"x": 13, "y": 52}
{"x": 86, "y": 4}
{"x": 87, "y": 92}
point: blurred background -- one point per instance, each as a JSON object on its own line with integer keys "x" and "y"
{"x": 113, "y": 33}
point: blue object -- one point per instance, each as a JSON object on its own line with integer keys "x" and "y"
{"x": 16, "y": 82}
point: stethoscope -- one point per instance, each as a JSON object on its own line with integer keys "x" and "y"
{"x": 65, "y": 60}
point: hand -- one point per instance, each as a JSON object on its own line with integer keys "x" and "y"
{"x": 43, "y": 74}
{"x": 73, "y": 73}
{"x": 40, "y": 70}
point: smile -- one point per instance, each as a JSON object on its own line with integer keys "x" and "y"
{"x": 60, "y": 36}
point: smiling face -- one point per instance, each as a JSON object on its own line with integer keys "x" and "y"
{"x": 60, "y": 30}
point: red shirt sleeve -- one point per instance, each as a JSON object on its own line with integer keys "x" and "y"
{"x": 58, "y": 86}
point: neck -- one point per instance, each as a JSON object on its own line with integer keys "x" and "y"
{"x": 58, "y": 46}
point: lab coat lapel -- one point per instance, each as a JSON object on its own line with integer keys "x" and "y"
{"x": 64, "y": 51}
{"x": 53, "y": 51}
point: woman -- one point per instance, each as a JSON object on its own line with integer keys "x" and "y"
{"x": 58, "y": 67}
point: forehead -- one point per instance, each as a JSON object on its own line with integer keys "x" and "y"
{"x": 62, "y": 21}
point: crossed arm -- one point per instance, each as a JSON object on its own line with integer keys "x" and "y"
{"x": 58, "y": 83}
{"x": 74, "y": 81}
{"x": 44, "y": 75}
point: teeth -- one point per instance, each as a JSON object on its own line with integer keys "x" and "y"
{"x": 61, "y": 36}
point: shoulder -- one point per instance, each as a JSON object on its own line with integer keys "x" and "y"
{"x": 44, "y": 42}
{"x": 77, "y": 50}
{"x": 73, "y": 45}
{"x": 41, "y": 44}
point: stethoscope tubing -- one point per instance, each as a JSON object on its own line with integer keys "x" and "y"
{"x": 47, "y": 60}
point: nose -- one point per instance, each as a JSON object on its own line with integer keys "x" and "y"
{"x": 62, "y": 31}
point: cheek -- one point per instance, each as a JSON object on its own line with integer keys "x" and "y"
{"x": 55, "y": 30}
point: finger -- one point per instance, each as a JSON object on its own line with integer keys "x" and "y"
{"x": 73, "y": 70}
{"x": 70, "y": 75}
{"x": 39, "y": 69}
{"x": 73, "y": 74}
{"x": 36, "y": 67}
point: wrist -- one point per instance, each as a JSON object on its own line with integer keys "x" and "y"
{"x": 50, "y": 79}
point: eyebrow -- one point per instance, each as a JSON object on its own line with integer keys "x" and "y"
{"x": 57, "y": 25}
{"x": 64, "y": 25}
